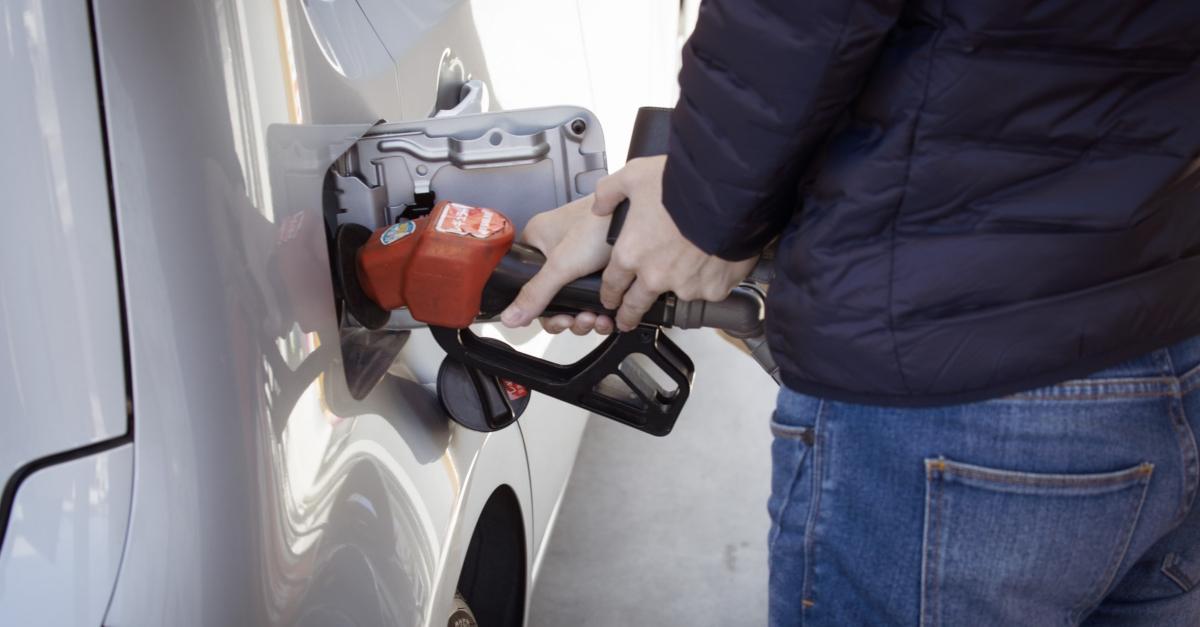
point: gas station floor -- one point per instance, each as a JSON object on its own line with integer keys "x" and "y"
{"x": 669, "y": 531}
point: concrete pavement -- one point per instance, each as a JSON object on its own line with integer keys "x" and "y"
{"x": 669, "y": 531}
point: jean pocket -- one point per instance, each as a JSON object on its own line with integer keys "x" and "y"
{"x": 791, "y": 508}
{"x": 791, "y": 462}
{"x": 1017, "y": 548}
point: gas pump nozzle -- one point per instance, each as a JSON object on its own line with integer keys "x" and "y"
{"x": 450, "y": 276}
{"x": 460, "y": 264}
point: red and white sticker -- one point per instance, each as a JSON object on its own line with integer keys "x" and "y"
{"x": 476, "y": 222}
{"x": 514, "y": 390}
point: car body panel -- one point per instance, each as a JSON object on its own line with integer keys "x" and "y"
{"x": 62, "y": 381}
{"x": 262, "y": 491}
{"x": 249, "y": 456}
{"x": 62, "y": 573}
{"x": 255, "y": 468}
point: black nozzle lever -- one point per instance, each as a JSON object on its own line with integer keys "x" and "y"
{"x": 607, "y": 381}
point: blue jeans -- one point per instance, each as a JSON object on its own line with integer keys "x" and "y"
{"x": 1067, "y": 505}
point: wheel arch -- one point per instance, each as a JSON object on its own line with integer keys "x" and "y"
{"x": 494, "y": 575}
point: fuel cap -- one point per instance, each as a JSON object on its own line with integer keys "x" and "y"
{"x": 478, "y": 401}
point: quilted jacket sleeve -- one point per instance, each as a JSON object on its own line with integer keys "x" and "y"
{"x": 763, "y": 82}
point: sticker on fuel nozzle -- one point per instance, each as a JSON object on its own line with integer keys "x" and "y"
{"x": 397, "y": 232}
{"x": 476, "y": 222}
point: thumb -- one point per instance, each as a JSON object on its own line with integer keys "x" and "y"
{"x": 610, "y": 191}
{"x": 534, "y": 296}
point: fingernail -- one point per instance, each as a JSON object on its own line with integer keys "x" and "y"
{"x": 511, "y": 317}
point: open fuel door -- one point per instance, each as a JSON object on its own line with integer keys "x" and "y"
{"x": 520, "y": 162}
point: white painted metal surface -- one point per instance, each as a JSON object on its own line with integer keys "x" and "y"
{"x": 64, "y": 541}
{"x": 262, "y": 493}
{"x": 62, "y": 381}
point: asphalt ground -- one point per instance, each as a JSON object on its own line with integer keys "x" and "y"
{"x": 669, "y": 531}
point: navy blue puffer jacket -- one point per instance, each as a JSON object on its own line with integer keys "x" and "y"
{"x": 975, "y": 196}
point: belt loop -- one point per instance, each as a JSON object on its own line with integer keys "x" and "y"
{"x": 1163, "y": 357}
{"x": 1185, "y": 355}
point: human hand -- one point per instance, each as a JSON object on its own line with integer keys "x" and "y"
{"x": 651, "y": 255}
{"x": 573, "y": 240}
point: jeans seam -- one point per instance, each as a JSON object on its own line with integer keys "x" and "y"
{"x": 1188, "y": 450}
{"x": 930, "y": 553}
{"x": 1094, "y": 396}
{"x": 1190, "y": 468}
{"x": 787, "y": 500}
{"x": 1048, "y": 481}
{"x": 1146, "y": 380}
{"x": 1190, "y": 380}
{"x": 1170, "y": 570}
{"x": 815, "y": 477}
{"x": 1119, "y": 555}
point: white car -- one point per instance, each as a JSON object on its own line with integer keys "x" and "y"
{"x": 193, "y": 431}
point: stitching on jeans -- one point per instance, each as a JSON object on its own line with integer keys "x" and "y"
{"x": 1187, "y": 440}
{"x": 925, "y": 565}
{"x": 1116, "y": 381}
{"x": 1026, "y": 396}
{"x": 931, "y": 549}
{"x": 1170, "y": 569}
{"x": 1119, "y": 552}
{"x": 787, "y": 499}
{"x": 937, "y": 591}
{"x": 1190, "y": 380}
{"x": 815, "y": 478}
{"x": 1187, "y": 451}
{"x": 1086, "y": 388}
{"x": 1049, "y": 481}
{"x": 1192, "y": 450}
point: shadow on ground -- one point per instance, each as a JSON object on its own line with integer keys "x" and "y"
{"x": 669, "y": 531}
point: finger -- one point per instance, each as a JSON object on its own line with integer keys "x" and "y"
{"x": 610, "y": 191}
{"x": 604, "y": 325}
{"x": 535, "y": 233}
{"x": 637, "y": 301}
{"x": 534, "y": 296}
{"x": 585, "y": 321}
{"x": 545, "y": 229}
{"x": 614, "y": 282}
{"x": 556, "y": 324}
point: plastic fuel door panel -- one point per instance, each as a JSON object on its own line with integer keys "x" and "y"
{"x": 518, "y": 162}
